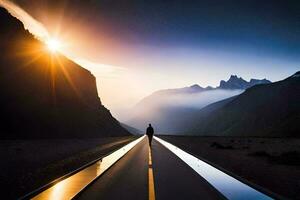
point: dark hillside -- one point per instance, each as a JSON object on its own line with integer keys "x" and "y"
{"x": 46, "y": 95}
{"x": 271, "y": 110}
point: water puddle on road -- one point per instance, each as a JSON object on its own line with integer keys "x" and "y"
{"x": 230, "y": 187}
{"x": 71, "y": 186}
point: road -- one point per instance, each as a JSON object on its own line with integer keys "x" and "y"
{"x": 158, "y": 174}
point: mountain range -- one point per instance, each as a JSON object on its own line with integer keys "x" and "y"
{"x": 233, "y": 83}
{"x": 262, "y": 110}
{"x": 270, "y": 110}
{"x": 46, "y": 95}
{"x": 165, "y": 108}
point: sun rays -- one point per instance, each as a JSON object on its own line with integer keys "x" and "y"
{"x": 53, "y": 45}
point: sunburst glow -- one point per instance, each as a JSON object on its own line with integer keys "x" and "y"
{"x": 53, "y": 45}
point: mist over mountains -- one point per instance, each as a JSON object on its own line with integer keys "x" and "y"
{"x": 166, "y": 108}
{"x": 261, "y": 110}
{"x": 268, "y": 110}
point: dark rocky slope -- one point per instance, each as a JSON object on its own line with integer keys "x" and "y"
{"x": 270, "y": 110}
{"x": 46, "y": 95}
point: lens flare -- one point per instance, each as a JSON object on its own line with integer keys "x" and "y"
{"x": 53, "y": 45}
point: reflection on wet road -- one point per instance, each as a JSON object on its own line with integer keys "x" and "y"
{"x": 71, "y": 186}
{"x": 230, "y": 187}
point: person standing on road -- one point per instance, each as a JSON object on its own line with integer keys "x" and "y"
{"x": 149, "y": 133}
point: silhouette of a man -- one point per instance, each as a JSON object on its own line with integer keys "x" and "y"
{"x": 149, "y": 133}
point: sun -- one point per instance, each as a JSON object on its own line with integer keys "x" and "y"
{"x": 53, "y": 45}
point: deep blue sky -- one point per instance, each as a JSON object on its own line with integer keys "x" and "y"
{"x": 257, "y": 25}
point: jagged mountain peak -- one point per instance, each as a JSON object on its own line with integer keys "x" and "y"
{"x": 235, "y": 82}
{"x": 235, "y": 77}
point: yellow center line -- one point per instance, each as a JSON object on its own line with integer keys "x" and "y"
{"x": 151, "y": 178}
{"x": 150, "y": 157}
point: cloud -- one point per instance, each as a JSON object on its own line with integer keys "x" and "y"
{"x": 185, "y": 99}
{"x": 198, "y": 100}
{"x": 163, "y": 109}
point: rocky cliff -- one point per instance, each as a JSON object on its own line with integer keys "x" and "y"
{"x": 46, "y": 95}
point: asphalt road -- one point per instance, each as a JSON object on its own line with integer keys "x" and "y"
{"x": 128, "y": 178}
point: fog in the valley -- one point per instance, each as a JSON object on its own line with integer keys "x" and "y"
{"x": 196, "y": 100}
{"x": 165, "y": 109}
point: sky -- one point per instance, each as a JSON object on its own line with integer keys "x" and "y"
{"x": 137, "y": 47}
